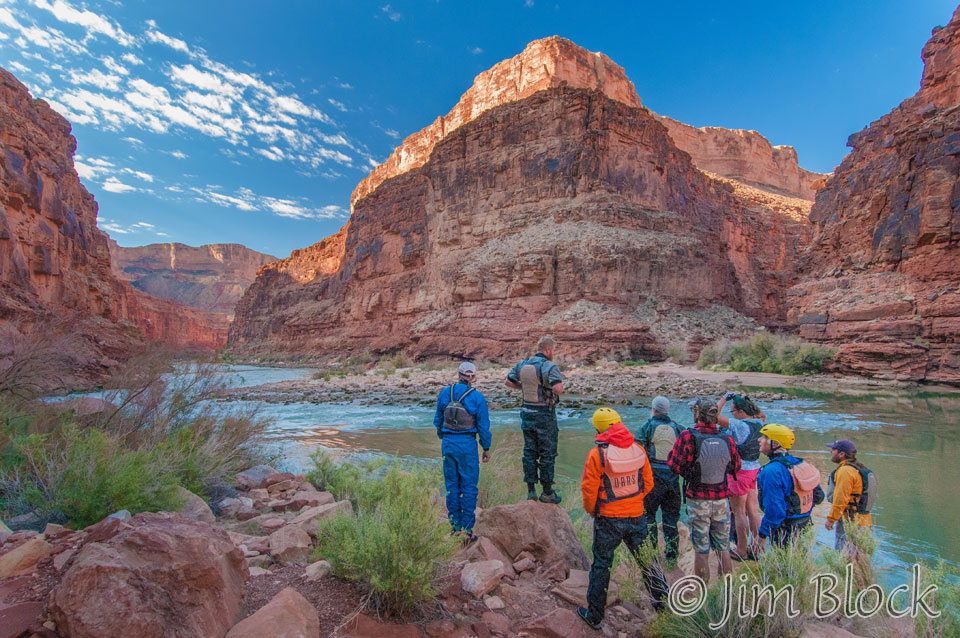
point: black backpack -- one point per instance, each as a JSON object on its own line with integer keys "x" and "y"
{"x": 455, "y": 415}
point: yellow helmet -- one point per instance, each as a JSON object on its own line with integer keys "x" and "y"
{"x": 603, "y": 418}
{"x": 779, "y": 433}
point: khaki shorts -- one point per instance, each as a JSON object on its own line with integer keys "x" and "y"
{"x": 709, "y": 525}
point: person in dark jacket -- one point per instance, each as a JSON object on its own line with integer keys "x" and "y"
{"x": 539, "y": 380}
{"x": 657, "y": 437}
{"x": 462, "y": 417}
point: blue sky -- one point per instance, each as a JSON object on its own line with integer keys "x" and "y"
{"x": 252, "y": 122}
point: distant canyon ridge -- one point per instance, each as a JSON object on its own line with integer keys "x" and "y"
{"x": 549, "y": 199}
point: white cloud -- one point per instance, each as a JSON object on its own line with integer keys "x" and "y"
{"x": 97, "y": 78}
{"x": 209, "y": 101}
{"x": 139, "y": 174}
{"x": 114, "y": 185}
{"x": 345, "y": 85}
{"x": 16, "y": 66}
{"x": 179, "y": 154}
{"x": 113, "y": 66}
{"x": 528, "y": 3}
{"x": 50, "y": 39}
{"x": 92, "y": 22}
{"x": 190, "y": 74}
{"x": 392, "y": 133}
{"x": 130, "y": 58}
{"x": 133, "y": 140}
{"x": 393, "y": 15}
{"x": 273, "y": 153}
{"x": 161, "y": 38}
{"x": 113, "y": 227}
{"x": 476, "y": 50}
{"x": 339, "y": 105}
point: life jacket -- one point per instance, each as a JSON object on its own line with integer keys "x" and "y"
{"x": 661, "y": 441}
{"x": 859, "y": 503}
{"x": 711, "y": 459}
{"x": 749, "y": 450}
{"x": 535, "y": 393}
{"x": 622, "y": 472}
{"x": 806, "y": 486}
{"x": 455, "y": 415}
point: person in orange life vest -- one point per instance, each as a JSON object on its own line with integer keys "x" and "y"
{"x": 848, "y": 487}
{"x": 616, "y": 477}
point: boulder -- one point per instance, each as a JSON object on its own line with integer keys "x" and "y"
{"x": 544, "y": 530}
{"x": 258, "y": 571}
{"x": 290, "y": 544}
{"x": 574, "y": 589}
{"x": 121, "y": 515}
{"x": 252, "y": 478}
{"x": 524, "y": 565}
{"x": 229, "y": 506}
{"x": 53, "y": 531}
{"x": 496, "y": 622}
{"x": 256, "y": 543}
{"x": 287, "y": 615}
{"x": 167, "y": 576}
{"x": 363, "y": 626}
{"x": 17, "y": 619}
{"x": 308, "y": 519}
{"x": 824, "y": 630}
{"x": 24, "y": 558}
{"x": 482, "y": 577}
{"x": 494, "y": 603}
{"x": 559, "y": 623}
{"x": 104, "y": 530}
{"x": 485, "y": 549}
{"x": 195, "y": 507}
{"x": 273, "y": 479}
{"x": 317, "y": 570}
{"x": 5, "y": 533}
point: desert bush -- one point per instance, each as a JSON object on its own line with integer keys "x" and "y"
{"x": 397, "y": 543}
{"x": 946, "y": 600}
{"x": 792, "y": 565}
{"x": 35, "y": 360}
{"x": 158, "y": 430}
{"x": 501, "y": 478}
{"x": 765, "y": 352}
{"x": 676, "y": 353}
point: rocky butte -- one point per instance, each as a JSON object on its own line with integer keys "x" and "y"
{"x": 548, "y": 199}
{"x": 881, "y": 280}
{"x": 211, "y": 277}
{"x": 54, "y": 261}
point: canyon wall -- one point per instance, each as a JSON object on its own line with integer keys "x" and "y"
{"x": 211, "y": 277}
{"x": 568, "y": 211}
{"x": 54, "y": 261}
{"x": 745, "y": 156}
{"x": 882, "y": 277}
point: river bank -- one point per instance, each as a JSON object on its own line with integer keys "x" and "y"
{"x": 607, "y": 382}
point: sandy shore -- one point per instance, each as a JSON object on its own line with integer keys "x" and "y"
{"x": 605, "y": 383}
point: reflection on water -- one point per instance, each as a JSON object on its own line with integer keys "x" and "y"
{"x": 911, "y": 442}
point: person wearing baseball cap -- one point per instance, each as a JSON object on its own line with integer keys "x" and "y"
{"x": 462, "y": 416}
{"x": 845, "y": 491}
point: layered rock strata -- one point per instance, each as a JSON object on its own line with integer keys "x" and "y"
{"x": 882, "y": 277}
{"x": 569, "y": 210}
{"x": 745, "y": 156}
{"x": 211, "y": 277}
{"x": 54, "y": 261}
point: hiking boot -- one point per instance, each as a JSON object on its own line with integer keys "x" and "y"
{"x": 584, "y": 614}
{"x": 552, "y": 497}
{"x": 467, "y": 537}
{"x": 532, "y": 495}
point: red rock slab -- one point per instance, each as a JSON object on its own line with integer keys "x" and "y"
{"x": 364, "y": 626}
{"x": 16, "y": 619}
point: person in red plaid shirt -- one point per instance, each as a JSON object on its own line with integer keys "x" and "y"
{"x": 704, "y": 457}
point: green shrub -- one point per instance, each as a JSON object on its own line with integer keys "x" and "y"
{"x": 501, "y": 479}
{"x": 765, "y": 352}
{"x": 946, "y": 600}
{"x": 397, "y": 543}
{"x": 676, "y": 353}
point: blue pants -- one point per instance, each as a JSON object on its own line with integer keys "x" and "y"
{"x": 461, "y": 471}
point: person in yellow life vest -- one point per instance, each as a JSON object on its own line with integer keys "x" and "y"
{"x": 616, "y": 478}
{"x": 845, "y": 490}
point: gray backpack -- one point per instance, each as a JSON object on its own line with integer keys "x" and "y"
{"x": 455, "y": 415}
{"x": 713, "y": 457}
{"x": 535, "y": 392}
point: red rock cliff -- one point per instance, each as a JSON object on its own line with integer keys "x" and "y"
{"x": 54, "y": 261}
{"x": 882, "y": 278}
{"x": 211, "y": 277}
{"x": 567, "y": 210}
{"x": 745, "y": 156}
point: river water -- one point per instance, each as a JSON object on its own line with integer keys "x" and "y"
{"x": 911, "y": 441}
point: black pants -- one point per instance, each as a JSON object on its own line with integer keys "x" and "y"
{"x": 789, "y": 529}
{"x": 608, "y": 533}
{"x": 539, "y": 444}
{"x": 665, "y": 496}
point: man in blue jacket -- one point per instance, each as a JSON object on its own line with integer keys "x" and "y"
{"x": 461, "y": 417}
{"x": 786, "y": 512}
